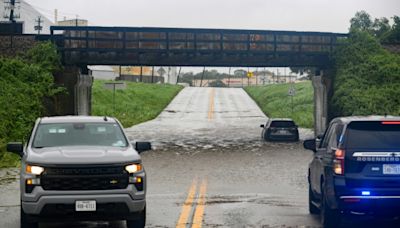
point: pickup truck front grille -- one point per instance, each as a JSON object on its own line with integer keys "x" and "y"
{"x": 88, "y": 178}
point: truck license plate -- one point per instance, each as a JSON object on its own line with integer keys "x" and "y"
{"x": 87, "y": 205}
{"x": 391, "y": 169}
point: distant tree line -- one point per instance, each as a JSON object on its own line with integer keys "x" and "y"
{"x": 213, "y": 74}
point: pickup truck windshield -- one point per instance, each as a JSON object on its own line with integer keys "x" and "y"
{"x": 79, "y": 134}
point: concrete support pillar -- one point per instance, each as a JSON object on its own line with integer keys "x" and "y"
{"x": 320, "y": 104}
{"x": 77, "y": 96}
{"x": 83, "y": 94}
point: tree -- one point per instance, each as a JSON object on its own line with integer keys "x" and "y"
{"x": 303, "y": 70}
{"x": 240, "y": 73}
{"x": 381, "y": 26}
{"x": 361, "y": 22}
{"x": 161, "y": 71}
{"x": 393, "y": 36}
{"x": 187, "y": 77}
{"x": 367, "y": 78}
{"x": 217, "y": 83}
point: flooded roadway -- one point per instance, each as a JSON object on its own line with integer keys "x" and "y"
{"x": 209, "y": 168}
{"x": 209, "y": 140}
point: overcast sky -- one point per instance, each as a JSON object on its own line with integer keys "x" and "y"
{"x": 298, "y": 15}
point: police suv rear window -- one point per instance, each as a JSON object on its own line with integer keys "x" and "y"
{"x": 373, "y": 135}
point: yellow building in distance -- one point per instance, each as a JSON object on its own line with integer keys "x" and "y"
{"x": 135, "y": 70}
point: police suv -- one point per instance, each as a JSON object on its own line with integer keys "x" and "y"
{"x": 355, "y": 169}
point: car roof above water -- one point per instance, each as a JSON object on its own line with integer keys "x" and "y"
{"x": 281, "y": 119}
{"x": 77, "y": 119}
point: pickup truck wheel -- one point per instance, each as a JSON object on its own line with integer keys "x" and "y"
{"x": 311, "y": 207}
{"x": 25, "y": 222}
{"x": 140, "y": 222}
{"x": 329, "y": 217}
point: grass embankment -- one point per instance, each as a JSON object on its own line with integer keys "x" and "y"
{"x": 275, "y": 102}
{"x": 138, "y": 103}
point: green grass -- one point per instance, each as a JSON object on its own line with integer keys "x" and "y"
{"x": 138, "y": 103}
{"x": 9, "y": 160}
{"x": 275, "y": 102}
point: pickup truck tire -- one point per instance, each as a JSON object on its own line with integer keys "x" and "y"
{"x": 330, "y": 218}
{"x": 140, "y": 222}
{"x": 311, "y": 207}
{"x": 25, "y": 222}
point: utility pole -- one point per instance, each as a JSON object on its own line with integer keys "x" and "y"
{"x": 10, "y": 4}
{"x": 76, "y": 20}
{"x": 152, "y": 74}
{"x": 202, "y": 76}
{"x": 264, "y": 74}
{"x": 177, "y": 79}
{"x": 256, "y": 76}
{"x": 248, "y": 76}
{"x": 242, "y": 79}
{"x": 141, "y": 73}
{"x": 38, "y": 27}
{"x": 229, "y": 77}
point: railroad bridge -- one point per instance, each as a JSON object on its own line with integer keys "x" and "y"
{"x": 193, "y": 47}
{"x": 89, "y": 45}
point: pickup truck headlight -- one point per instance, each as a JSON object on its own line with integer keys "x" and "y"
{"x": 35, "y": 170}
{"x": 134, "y": 168}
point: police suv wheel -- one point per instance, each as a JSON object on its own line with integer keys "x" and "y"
{"x": 330, "y": 218}
{"x": 311, "y": 207}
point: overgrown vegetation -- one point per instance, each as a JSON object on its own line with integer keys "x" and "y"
{"x": 367, "y": 77}
{"x": 139, "y": 102}
{"x": 24, "y": 82}
{"x": 274, "y": 101}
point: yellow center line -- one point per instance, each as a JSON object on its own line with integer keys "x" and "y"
{"x": 187, "y": 206}
{"x": 211, "y": 105}
{"x": 199, "y": 213}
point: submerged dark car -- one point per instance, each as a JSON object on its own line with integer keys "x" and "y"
{"x": 280, "y": 130}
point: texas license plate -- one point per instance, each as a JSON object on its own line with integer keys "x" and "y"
{"x": 391, "y": 169}
{"x": 86, "y": 205}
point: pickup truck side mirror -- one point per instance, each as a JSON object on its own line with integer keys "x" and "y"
{"x": 310, "y": 145}
{"x": 142, "y": 146}
{"x": 262, "y": 125}
{"x": 16, "y": 148}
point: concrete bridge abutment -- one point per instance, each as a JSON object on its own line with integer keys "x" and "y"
{"x": 322, "y": 84}
{"x": 76, "y": 100}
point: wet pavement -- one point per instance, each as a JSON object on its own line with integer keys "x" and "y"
{"x": 209, "y": 168}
